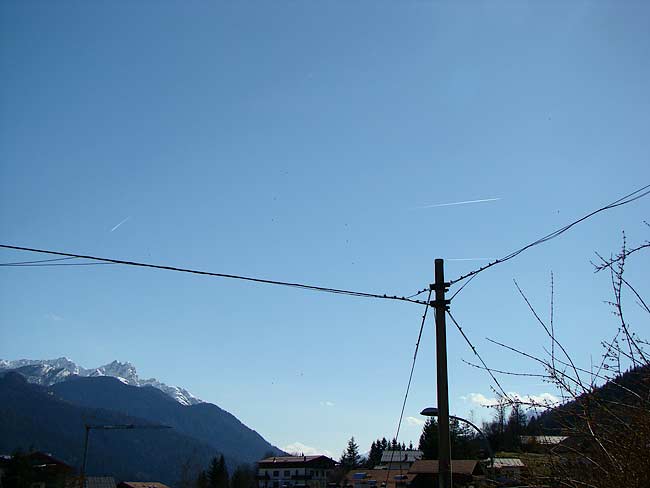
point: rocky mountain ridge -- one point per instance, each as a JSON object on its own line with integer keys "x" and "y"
{"x": 48, "y": 372}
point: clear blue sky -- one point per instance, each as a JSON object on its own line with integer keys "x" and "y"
{"x": 298, "y": 140}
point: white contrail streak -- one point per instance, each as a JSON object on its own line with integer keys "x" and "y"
{"x": 467, "y": 259}
{"x": 461, "y": 203}
{"x": 114, "y": 228}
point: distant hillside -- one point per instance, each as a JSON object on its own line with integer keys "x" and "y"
{"x": 32, "y": 417}
{"x": 203, "y": 421}
{"x": 622, "y": 389}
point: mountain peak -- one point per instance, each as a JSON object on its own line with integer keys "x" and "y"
{"x": 48, "y": 372}
{"x": 119, "y": 370}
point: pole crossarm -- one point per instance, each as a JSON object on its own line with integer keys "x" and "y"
{"x": 438, "y": 303}
{"x": 442, "y": 305}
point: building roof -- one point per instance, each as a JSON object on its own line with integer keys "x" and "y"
{"x": 545, "y": 440}
{"x": 142, "y": 484}
{"x": 289, "y": 461}
{"x": 43, "y": 462}
{"x": 91, "y": 482}
{"x": 99, "y": 482}
{"x": 388, "y": 478}
{"x": 40, "y": 459}
{"x": 458, "y": 466}
{"x": 400, "y": 456}
{"x": 508, "y": 463}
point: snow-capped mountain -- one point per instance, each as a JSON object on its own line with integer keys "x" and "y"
{"x": 50, "y": 371}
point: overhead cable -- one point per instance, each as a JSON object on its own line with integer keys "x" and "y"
{"x": 51, "y": 264}
{"x": 629, "y": 198}
{"x": 218, "y": 275}
{"x": 408, "y": 385}
{"x": 20, "y": 263}
{"x": 473, "y": 348}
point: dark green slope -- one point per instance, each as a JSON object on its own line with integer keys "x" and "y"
{"x": 204, "y": 421}
{"x": 626, "y": 389}
{"x": 31, "y": 417}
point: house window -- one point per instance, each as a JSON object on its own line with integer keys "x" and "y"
{"x": 296, "y": 472}
{"x": 276, "y": 474}
{"x": 287, "y": 472}
{"x": 276, "y": 484}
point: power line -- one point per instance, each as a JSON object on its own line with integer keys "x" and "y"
{"x": 20, "y": 263}
{"x": 51, "y": 264}
{"x": 418, "y": 293}
{"x": 219, "y": 275}
{"x": 408, "y": 386}
{"x": 462, "y": 332}
{"x": 629, "y": 198}
{"x": 461, "y": 288}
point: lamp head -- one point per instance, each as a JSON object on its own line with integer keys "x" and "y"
{"x": 430, "y": 412}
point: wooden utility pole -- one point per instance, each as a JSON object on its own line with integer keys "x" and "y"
{"x": 444, "y": 444}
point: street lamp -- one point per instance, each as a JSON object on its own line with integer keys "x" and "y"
{"x": 109, "y": 427}
{"x": 433, "y": 412}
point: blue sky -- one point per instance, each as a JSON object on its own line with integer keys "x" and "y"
{"x": 299, "y": 141}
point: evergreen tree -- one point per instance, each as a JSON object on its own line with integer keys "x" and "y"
{"x": 429, "y": 439}
{"x": 374, "y": 456}
{"x": 384, "y": 444}
{"x": 495, "y": 429}
{"x": 213, "y": 473}
{"x": 243, "y": 477}
{"x": 350, "y": 459}
{"x": 410, "y": 445}
{"x": 218, "y": 473}
{"x": 534, "y": 426}
{"x": 225, "y": 478}
{"x": 202, "y": 480}
{"x": 463, "y": 442}
{"x": 515, "y": 427}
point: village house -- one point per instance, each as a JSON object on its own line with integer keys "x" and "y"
{"x": 377, "y": 478}
{"x": 508, "y": 469}
{"x": 398, "y": 459}
{"x": 46, "y": 470}
{"x": 464, "y": 472}
{"x": 92, "y": 482}
{"x": 141, "y": 484}
{"x": 294, "y": 471}
{"x": 421, "y": 474}
{"x": 541, "y": 443}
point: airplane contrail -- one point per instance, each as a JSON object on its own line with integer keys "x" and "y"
{"x": 467, "y": 259}
{"x": 465, "y": 202}
{"x": 120, "y": 223}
